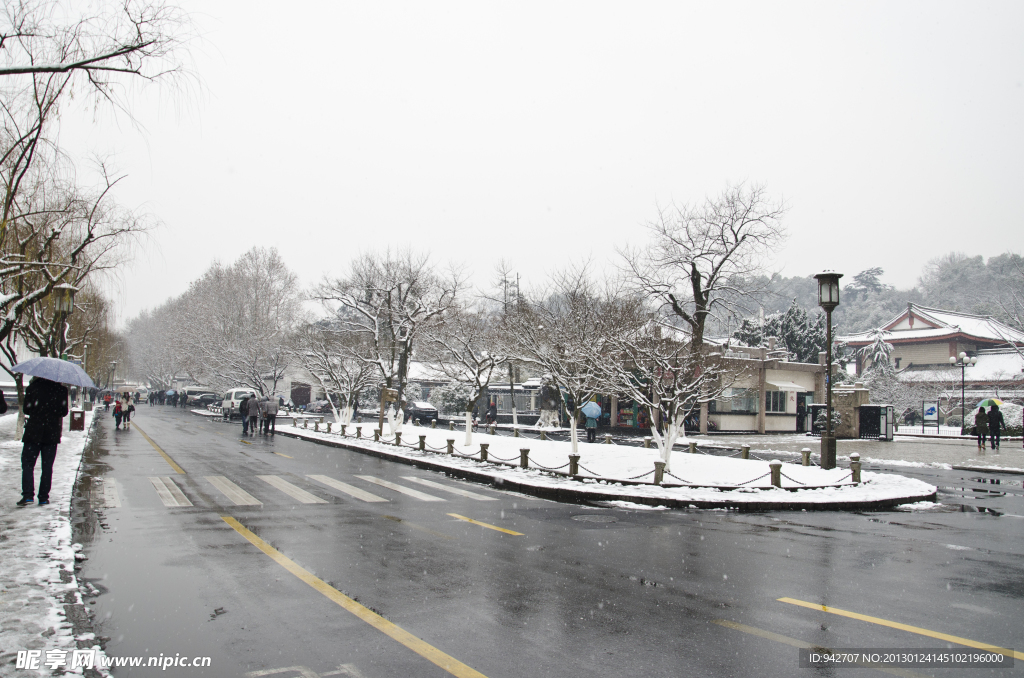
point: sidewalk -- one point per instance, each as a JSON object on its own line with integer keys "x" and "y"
{"x": 38, "y": 588}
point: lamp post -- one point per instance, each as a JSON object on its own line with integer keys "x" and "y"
{"x": 963, "y": 363}
{"x": 113, "y": 368}
{"x": 64, "y": 304}
{"x": 828, "y": 299}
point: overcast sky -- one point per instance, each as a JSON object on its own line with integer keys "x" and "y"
{"x": 540, "y": 132}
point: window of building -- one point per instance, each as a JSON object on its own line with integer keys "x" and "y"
{"x": 775, "y": 401}
{"x": 897, "y": 363}
{"x": 736, "y": 401}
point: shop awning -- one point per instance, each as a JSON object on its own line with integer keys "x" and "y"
{"x": 786, "y": 386}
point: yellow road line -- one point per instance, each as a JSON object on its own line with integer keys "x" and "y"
{"x": 905, "y": 627}
{"x": 786, "y": 640}
{"x": 167, "y": 458}
{"x": 283, "y": 455}
{"x": 420, "y": 647}
{"x": 489, "y": 527}
{"x": 245, "y": 441}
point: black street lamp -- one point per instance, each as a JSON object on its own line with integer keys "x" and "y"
{"x": 113, "y": 368}
{"x": 64, "y": 304}
{"x": 963, "y": 363}
{"x": 828, "y": 299}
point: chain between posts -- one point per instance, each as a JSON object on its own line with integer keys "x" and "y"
{"x": 682, "y": 480}
{"x": 754, "y": 480}
{"x": 791, "y": 479}
{"x": 642, "y": 475}
{"x": 549, "y": 468}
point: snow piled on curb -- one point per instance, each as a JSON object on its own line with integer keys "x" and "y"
{"x": 37, "y": 575}
{"x": 613, "y": 460}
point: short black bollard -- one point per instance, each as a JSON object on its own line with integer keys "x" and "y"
{"x": 490, "y": 429}
{"x": 776, "y": 467}
{"x": 659, "y": 472}
{"x": 515, "y": 433}
{"x": 607, "y": 438}
{"x": 483, "y": 451}
{"x": 423, "y": 443}
{"x": 305, "y": 423}
{"x": 376, "y": 435}
{"x": 693, "y": 447}
{"x": 524, "y": 458}
{"x": 574, "y": 464}
{"x": 398, "y": 438}
{"x": 745, "y": 452}
{"x": 451, "y": 425}
{"x": 328, "y": 427}
{"x": 451, "y": 446}
{"x": 433, "y": 423}
{"x": 416, "y": 422}
{"x": 359, "y": 431}
{"x": 343, "y": 427}
{"x": 316, "y": 427}
{"x": 543, "y": 435}
{"x": 855, "y": 466}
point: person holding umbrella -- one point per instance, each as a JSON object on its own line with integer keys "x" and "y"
{"x": 996, "y": 424}
{"x": 591, "y": 411}
{"x": 46, "y": 405}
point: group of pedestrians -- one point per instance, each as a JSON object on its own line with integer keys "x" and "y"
{"x": 989, "y": 424}
{"x": 258, "y": 415}
{"x": 123, "y": 409}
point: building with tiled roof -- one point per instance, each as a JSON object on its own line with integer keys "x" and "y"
{"x": 924, "y": 337}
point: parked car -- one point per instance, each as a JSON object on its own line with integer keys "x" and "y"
{"x": 424, "y": 411}
{"x": 194, "y": 396}
{"x": 232, "y": 399}
{"x": 206, "y": 399}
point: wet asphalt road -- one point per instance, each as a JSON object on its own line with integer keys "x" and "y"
{"x": 582, "y": 591}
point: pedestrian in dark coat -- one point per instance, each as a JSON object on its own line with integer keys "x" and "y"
{"x": 46, "y": 405}
{"x": 243, "y": 411}
{"x": 996, "y": 424}
{"x": 981, "y": 424}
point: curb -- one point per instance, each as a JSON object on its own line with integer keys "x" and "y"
{"x": 584, "y": 496}
{"x": 988, "y": 469}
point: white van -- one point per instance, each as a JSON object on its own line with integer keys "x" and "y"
{"x": 233, "y": 398}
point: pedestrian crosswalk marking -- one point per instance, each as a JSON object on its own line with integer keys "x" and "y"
{"x": 169, "y": 493}
{"x": 104, "y": 493}
{"x": 233, "y": 492}
{"x": 291, "y": 490}
{"x": 453, "y": 490}
{"x": 346, "y": 488}
{"x": 400, "y": 488}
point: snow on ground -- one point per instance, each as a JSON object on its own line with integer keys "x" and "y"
{"x": 37, "y": 566}
{"x": 620, "y": 462}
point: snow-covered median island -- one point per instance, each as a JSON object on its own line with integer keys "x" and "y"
{"x": 37, "y": 569}
{"x": 617, "y": 472}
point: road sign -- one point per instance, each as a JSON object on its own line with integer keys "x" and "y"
{"x": 389, "y": 395}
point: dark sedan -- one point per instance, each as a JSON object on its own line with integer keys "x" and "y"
{"x": 423, "y": 411}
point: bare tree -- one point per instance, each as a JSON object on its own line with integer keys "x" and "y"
{"x": 337, "y": 360}
{"x": 465, "y": 349}
{"x": 388, "y": 299}
{"x": 568, "y": 332}
{"x": 702, "y": 257}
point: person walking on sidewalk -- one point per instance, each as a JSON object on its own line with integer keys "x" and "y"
{"x": 243, "y": 412}
{"x": 591, "y": 426}
{"x": 46, "y": 405}
{"x": 996, "y": 424}
{"x": 981, "y": 424}
{"x": 269, "y": 409}
{"x": 127, "y": 407}
{"x": 254, "y": 415}
{"x": 118, "y": 413}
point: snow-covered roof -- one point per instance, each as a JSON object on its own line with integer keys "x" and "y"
{"x": 920, "y": 323}
{"x": 994, "y": 365}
